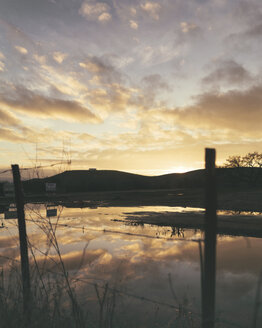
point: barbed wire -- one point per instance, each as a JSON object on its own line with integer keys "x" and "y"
{"x": 135, "y": 296}
{"x": 37, "y": 167}
{"x": 83, "y": 228}
{"x": 132, "y": 295}
{"x": 125, "y": 293}
{"x": 8, "y": 170}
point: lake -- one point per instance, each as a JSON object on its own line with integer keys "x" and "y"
{"x": 130, "y": 274}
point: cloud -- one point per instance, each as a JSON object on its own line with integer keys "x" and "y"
{"x": 155, "y": 82}
{"x": 85, "y": 137}
{"x": 110, "y": 92}
{"x": 152, "y": 8}
{"x": 229, "y": 72}
{"x": 7, "y": 242}
{"x": 72, "y": 260}
{"x": 113, "y": 99}
{"x": 2, "y": 66}
{"x": 2, "y": 56}
{"x": 252, "y": 33}
{"x": 20, "y": 135}
{"x": 21, "y": 50}
{"x": 92, "y": 10}
{"x": 188, "y": 27}
{"x": 40, "y": 59}
{"x": 59, "y": 57}
{"x": 7, "y": 118}
{"x": 133, "y": 24}
{"x": 164, "y": 53}
{"x": 105, "y": 17}
{"x": 16, "y": 34}
{"x": 249, "y": 14}
{"x": 235, "y": 110}
{"x": 10, "y": 135}
{"x": 14, "y": 130}
{"x": 151, "y": 87}
{"x": 67, "y": 83}
{"x": 95, "y": 65}
{"x": 187, "y": 33}
{"x": 32, "y": 103}
{"x": 119, "y": 61}
{"x": 102, "y": 69}
{"x": 133, "y": 11}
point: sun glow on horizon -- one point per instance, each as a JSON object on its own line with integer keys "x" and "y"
{"x": 180, "y": 169}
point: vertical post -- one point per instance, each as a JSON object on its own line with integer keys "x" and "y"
{"x": 257, "y": 301}
{"x": 23, "y": 240}
{"x": 209, "y": 281}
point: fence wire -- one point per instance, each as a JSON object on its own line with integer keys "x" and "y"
{"x": 219, "y": 320}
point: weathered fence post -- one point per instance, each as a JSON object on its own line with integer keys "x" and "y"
{"x": 209, "y": 281}
{"x": 23, "y": 241}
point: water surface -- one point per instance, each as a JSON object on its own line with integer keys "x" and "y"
{"x": 149, "y": 271}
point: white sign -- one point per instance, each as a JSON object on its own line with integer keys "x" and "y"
{"x": 51, "y": 212}
{"x": 50, "y": 186}
{"x": 11, "y": 215}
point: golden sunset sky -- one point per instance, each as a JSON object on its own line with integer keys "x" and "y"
{"x": 133, "y": 85}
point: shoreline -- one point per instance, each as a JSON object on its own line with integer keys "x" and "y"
{"x": 250, "y": 200}
{"x": 233, "y": 225}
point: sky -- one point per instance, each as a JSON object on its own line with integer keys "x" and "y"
{"x": 133, "y": 85}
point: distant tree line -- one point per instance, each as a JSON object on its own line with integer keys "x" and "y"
{"x": 247, "y": 168}
{"x": 249, "y": 160}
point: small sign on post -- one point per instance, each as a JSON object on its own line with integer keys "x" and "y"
{"x": 11, "y": 213}
{"x": 51, "y": 211}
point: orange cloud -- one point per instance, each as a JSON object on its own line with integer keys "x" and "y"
{"x": 31, "y": 103}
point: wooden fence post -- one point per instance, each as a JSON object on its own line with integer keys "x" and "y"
{"x": 23, "y": 241}
{"x": 209, "y": 281}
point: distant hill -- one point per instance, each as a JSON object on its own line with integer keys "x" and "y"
{"x": 109, "y": 180}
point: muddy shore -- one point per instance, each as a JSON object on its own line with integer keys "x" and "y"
{"x": 234, "y": 224}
